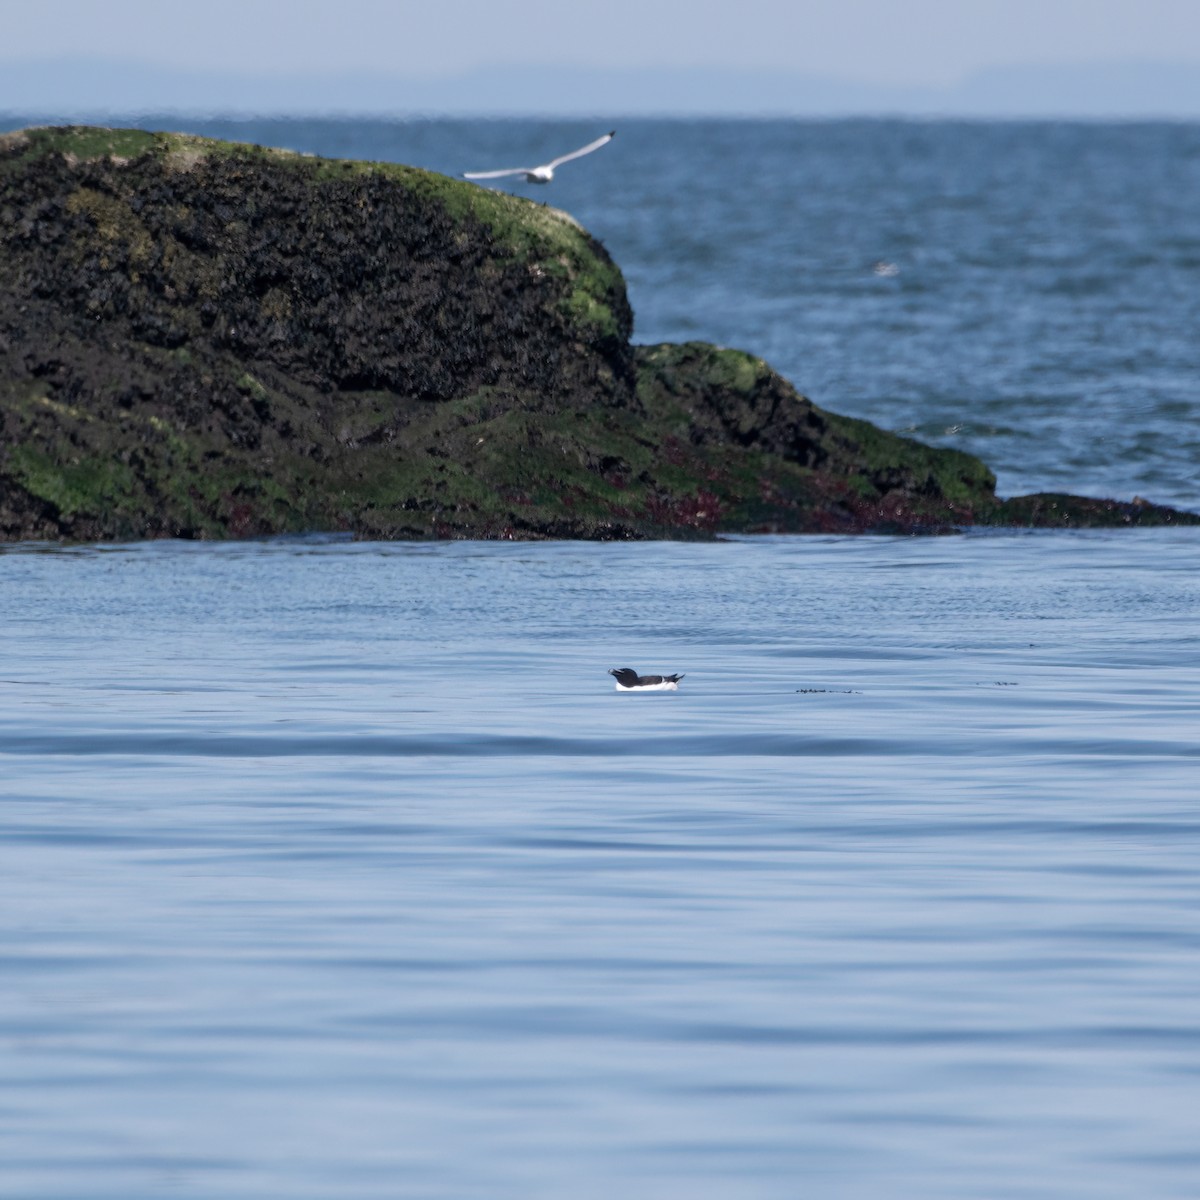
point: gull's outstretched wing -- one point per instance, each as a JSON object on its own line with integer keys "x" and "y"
{"x": 496, "y": 174}
{"x": 600, "y": 141}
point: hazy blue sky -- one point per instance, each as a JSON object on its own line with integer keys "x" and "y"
{"x": 930, "y": 42}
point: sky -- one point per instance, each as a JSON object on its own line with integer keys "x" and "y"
{"x": 889, "y": 42}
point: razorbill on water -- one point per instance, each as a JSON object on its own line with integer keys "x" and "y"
{"x": 545, "y": 172}
{"x": 628, "y": 680}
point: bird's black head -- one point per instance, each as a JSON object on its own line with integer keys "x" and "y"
{"x": 625, "y": 676}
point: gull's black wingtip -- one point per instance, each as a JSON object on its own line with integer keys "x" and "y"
{"x": 612, "y": 133}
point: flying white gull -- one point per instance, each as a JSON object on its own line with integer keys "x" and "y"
{"x": 545, "y": 172}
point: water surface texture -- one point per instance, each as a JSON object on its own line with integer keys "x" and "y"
{"x": 331, "y": 869}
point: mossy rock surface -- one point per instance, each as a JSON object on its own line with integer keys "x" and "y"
{"x": 206, "y": 339}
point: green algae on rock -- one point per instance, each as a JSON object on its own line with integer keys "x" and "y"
{"x": 206, "y": 339}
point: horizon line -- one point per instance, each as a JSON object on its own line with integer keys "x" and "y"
{"x": 1105, "y": 90}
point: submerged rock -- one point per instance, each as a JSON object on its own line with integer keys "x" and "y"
{"x": 203, "y": 339}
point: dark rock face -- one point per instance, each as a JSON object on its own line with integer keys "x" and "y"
{"x": 207, "y": 340}
{"x": 345, "y": 283}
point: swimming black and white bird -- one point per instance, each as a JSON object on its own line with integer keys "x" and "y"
{"x": 628, "y": 680}
{"x": 545, "y": 172}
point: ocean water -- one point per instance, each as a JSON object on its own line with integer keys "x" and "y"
{"x": 336, "y": 869}
{"x": 341, "y": 870}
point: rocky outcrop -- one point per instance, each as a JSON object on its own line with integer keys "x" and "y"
{"x": 202, "y": 339}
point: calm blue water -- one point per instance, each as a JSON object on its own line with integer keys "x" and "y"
{"x": 337, "y": 870}
{"x": 340, "y": 870}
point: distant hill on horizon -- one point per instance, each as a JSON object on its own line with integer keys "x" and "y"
{"x": 83, "y": 89}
